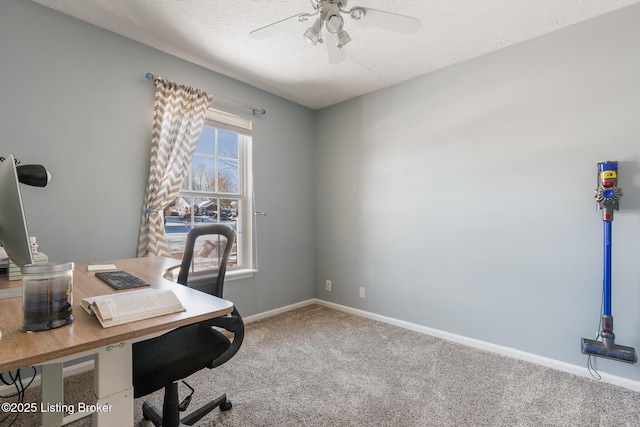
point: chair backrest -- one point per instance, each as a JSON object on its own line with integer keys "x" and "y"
{"x": 205, "y": 258}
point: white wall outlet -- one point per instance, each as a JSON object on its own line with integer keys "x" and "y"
{"x": 361, "y": 292}
{"x": 327, "y": 285}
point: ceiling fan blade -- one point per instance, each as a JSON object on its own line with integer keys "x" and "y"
{"x": 336, "y": 56}
{"x": 389, "y": 21}
{"x": 285, "y": 24}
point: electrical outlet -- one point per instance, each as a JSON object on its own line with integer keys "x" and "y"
{"x": 361, "y": 292}
{"x": 327, "y": 285}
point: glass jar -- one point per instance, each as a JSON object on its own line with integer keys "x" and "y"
{"x": 47, "y": 296}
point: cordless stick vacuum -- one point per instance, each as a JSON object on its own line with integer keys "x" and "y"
{"x": 608, "y": 196}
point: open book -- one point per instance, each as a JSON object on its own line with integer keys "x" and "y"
{"x": 117, "y": 309}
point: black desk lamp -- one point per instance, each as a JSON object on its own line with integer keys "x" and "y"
{"x": 34, "y": 175}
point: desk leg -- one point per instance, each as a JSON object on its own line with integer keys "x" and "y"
{"x": 113, "y": 389}
{"x": 52, "y": 393}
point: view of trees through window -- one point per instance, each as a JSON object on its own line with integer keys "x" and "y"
{"x": 212, "y": 191}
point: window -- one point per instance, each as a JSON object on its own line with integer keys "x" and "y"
{"x": 218, "y": 187}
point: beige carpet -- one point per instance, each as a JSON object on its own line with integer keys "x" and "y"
{"x": 316, "y": 366}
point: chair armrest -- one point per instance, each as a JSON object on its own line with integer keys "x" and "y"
{"x": 233, "y": 323}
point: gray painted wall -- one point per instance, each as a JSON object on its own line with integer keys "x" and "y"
{"x": 75, "y": 98}
{"x": 462, "y": 200}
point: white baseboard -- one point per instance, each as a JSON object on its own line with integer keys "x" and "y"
{"x": 267, "y": 314}
{"x": 494, "y": 348}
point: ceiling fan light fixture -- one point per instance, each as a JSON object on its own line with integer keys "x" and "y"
{"x": 334, "y": 23}
{"x": 329, "y": 19}
{"x": 343, "y": 39}
{"x": 312, "y": 35}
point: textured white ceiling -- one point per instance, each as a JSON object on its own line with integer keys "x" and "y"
{"x": 215, "y": 35}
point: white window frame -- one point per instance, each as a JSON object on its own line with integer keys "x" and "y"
{"x": 245, "y": 224}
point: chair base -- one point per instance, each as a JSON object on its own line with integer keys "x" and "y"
{"x": 170, "y": 416}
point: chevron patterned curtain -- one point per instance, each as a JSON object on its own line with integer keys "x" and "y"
{"x": 178, "y": 119}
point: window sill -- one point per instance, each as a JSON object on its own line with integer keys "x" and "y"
{"x": 242, "y": 273}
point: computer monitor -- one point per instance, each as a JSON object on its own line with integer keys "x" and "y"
{"x": 13, "y": 225}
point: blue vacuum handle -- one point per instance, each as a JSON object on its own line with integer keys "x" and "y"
{"x": 606, "y": 292}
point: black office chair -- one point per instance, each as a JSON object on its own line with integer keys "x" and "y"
{"x": 163, "y": 361}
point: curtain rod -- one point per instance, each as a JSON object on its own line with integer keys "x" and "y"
{"x": 255, "y": 110}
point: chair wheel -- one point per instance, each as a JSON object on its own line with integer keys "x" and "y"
{"x": 226, "y": 406}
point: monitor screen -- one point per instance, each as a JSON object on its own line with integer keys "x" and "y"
{"x": 13, "y": 225}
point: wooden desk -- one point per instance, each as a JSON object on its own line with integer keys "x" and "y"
{"x": 111, "y": 347}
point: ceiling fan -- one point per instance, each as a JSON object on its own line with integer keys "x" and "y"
{"x": 330, "y": 20}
